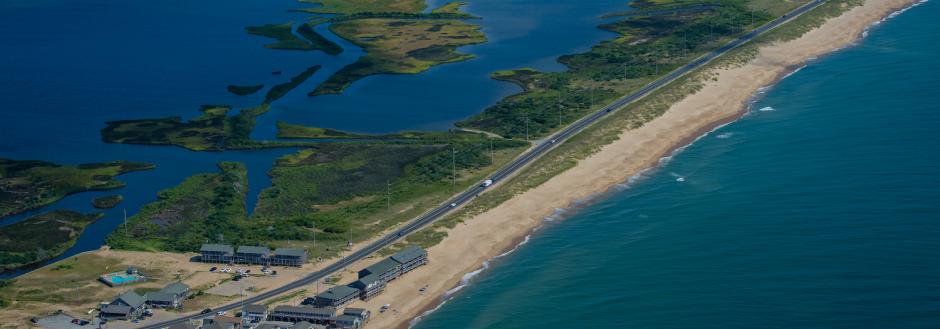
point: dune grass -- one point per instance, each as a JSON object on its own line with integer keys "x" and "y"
{"x": 107, "y": 202}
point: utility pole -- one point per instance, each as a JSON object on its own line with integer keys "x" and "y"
{"x": 527, "y": 126}
{"x": 491, "y": 150}
{"x": 125, "y": 223}
{"x": 592, "y": 97}
{"x": 453, "y": 162}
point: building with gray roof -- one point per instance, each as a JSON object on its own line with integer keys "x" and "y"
{"x": 400, "y": 263}
{"x": 307, "y": 325}
{"x": 127, "y": 306}
{"x": 252, "y": 255}
{"x": 216, "y": 253}
{"x": 361, "y": 313}
{"x": 289, "y": 257}
{"x": 348, "y": 322}
{"x": 170, "y": 296}
{"x": 387, "y": 269}
{"x": 336, "y": 296}
{"x": 369, "y": 286}
{"x": 319, "y": 315}
{"x": 255, "y": 313}
{"x": 410, "y": 258}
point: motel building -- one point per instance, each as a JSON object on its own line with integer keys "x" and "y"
{"x": 317, "y": 315}
{"x": 217, "y": 253}
{"x": 336, "y": 296}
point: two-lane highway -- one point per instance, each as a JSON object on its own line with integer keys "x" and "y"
{"x": 513, "y": 167}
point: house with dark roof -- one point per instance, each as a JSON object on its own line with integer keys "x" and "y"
{"x": 177, "y": 288}
{"x": 127, "y": 306}
{"x": 369, "y": 286}
{"x": 289, "y": 257}
{"x": 361, "y": 313}
{"x": 347, "y": 322}
{"x": 171, "y": 296}
{"x": 255, "y": 313}
{"x": 252, "y": 255}
{"x": 216, "y": 253}
{"x": 318, "y": 315}
{"x": 336, "y": 296}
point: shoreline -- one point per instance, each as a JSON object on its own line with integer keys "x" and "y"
{"x": 471, "y": 246}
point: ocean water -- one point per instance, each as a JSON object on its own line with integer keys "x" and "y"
{"x": 819, "y": 209}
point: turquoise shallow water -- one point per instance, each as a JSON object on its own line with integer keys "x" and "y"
{"x": 819, "y": 211}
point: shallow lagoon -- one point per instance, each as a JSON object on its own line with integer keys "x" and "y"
{"x": 70, "y": 66}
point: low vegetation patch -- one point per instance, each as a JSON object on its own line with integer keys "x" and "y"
{"x": 40, "y": 238}
{"x": 280, "y": 90}
{"x": 107, "y": 202}
{"x": 399, "y": 46}
{"x": 244, "y": 90}
{"x": 286, "y": 39}
{"x": 183, "y": 217}
{"x": 26, "y": 185}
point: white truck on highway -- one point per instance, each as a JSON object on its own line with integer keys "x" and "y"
{"x": 487, "y": 183}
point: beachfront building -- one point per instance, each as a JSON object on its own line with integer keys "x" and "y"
{"x": 369, "y": 286}
{"x": 127, "y": 306}
{"x": 387, "y": 270}
{"x": 288, "y": 313}
{"x": 410, "y": 258}
{"x": 361, "y": 313}
{"x": 401, "y": 262}
{"x": 255, "y": 313}
{"x": 348, "y": 322}
{"x": 252, "y": 255}
{"x": 217, "y": 253}
{"x": 289, "y": 257}
{"x": 336, "y": 296}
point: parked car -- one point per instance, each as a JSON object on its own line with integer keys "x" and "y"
{"x": 213, "y": 269}
{"x": 206, "y": 311}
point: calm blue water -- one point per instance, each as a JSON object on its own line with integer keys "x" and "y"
{"x": 823, "y": 213}
{"x": 68, "y": 66}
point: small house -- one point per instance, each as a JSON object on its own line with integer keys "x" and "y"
{"x": 127, "y": 306}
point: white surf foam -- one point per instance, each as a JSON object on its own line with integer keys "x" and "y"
{"x": 467, "y": 279}
{"x": 725, "y": 135}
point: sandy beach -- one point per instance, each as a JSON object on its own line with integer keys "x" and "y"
{"x": 469, "y": 245}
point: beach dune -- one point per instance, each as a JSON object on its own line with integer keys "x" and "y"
{"x": 469, "y": 245}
